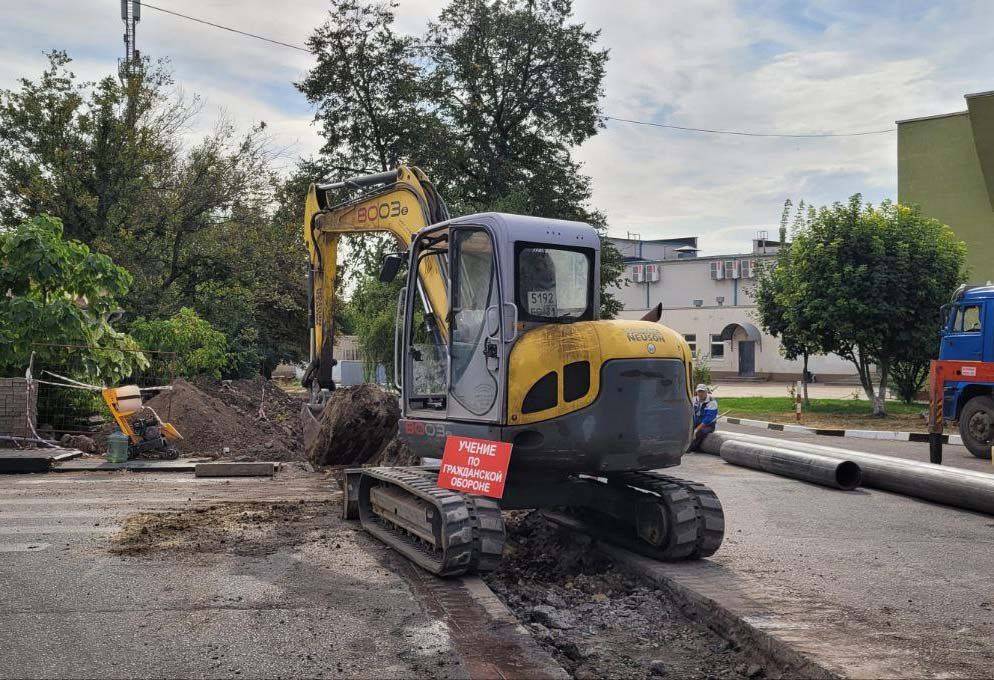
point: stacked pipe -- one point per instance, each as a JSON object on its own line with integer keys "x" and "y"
{"x": 959, "y": 488}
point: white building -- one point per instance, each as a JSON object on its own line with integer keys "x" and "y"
{"x": 710, "y": 301}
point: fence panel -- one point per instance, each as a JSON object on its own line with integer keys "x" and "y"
{"x": 52, "y": 403}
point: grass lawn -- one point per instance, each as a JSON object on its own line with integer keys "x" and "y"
{"x": 853, "y": 414}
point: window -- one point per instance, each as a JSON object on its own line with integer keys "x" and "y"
{"x": 474, "y": 291}
{"x": 554, "y": 283}
{"x": 967, "y": 319}
{"x": 691, "y": 339}
{"x": 731, "y": 269}
{"x": 717, "y": 269}
{"x": 717, "y": 346}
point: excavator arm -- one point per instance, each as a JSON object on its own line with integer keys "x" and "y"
{"x": 400, "y": 202}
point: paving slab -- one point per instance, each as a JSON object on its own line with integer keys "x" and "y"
{"x": 91, "y": 465}
{"x": 33, "y": 460}
{"x": 236, "y": 469}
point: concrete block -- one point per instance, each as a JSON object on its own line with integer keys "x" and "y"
{"x": 235, "y": 469}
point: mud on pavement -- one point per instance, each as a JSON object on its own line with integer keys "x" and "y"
{"x": 601, "y": 622}
{"x": 245, "y": 528}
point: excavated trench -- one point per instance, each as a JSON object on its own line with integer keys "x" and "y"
{"x": 599, "y": 621}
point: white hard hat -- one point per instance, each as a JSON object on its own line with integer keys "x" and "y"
{"x": 702, "y": 388}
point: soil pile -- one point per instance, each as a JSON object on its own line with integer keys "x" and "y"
{"x": 600, "y": 622}
{"x": 355, "y": 427}
{"x": 253, "y": 419}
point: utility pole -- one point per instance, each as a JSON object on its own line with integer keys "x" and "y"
{"x": 131, "y": 14}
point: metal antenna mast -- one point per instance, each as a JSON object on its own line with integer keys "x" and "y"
{"x": 131, "y": 14}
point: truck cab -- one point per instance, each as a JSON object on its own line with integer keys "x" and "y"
{"x": 968, "y": 336}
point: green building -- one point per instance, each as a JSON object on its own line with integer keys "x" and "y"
{"x": 945, "y": 164}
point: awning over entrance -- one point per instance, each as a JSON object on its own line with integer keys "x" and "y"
{"x": 752, "y": 333}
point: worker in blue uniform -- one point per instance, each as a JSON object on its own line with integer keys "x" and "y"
{"x": 705, "y": 415}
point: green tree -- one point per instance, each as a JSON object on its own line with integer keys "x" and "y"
{"x": 112, "y": 160}
{"x": 867, "y": 283}
{"x": 490, "y": 101}
{"x": 773, "y": 306}
{"x": 56, "y": 292}
{"x": 200, "y": 349}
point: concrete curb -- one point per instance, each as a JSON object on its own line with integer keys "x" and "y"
{"x": 953, "y": 439}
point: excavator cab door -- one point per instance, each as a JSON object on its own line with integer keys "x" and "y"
{"x": 476, "y": 351}
{"x": 421, "y": 354}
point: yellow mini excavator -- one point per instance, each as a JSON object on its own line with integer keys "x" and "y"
{"x": 498, "y": 338}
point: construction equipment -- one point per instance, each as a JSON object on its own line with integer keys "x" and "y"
{"x": 961, "y": 380}
{"x": 498, "y": 338}
{"x": 148, "y": 435}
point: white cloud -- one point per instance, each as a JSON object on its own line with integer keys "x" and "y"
{"x": 762, "y": 65}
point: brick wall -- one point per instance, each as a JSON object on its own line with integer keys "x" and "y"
{"x": 18, "y": 403}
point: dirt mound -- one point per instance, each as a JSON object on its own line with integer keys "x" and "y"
{"x": 253, "y": 419}
{"x": 355, "y": 427}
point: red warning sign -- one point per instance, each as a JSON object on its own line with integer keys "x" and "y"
{"x": 474, "y": 466}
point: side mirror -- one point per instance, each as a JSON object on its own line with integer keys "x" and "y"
{"x": 944, "y": 316}
{"x": 390, "y": 267}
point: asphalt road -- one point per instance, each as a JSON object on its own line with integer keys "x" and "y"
{"x": 880, "y": 584}
{"x": 330, "y": 602}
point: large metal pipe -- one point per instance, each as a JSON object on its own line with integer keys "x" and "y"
{"x": 957, "y": 487}
{"x": 809, "y": 467}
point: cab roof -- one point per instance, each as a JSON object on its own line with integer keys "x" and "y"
{"x": 977, "y": 293}
{"x": 536, "y": 229}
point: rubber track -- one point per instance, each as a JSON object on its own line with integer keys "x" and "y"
{"x": 472, "y": 527}
{"x": 700, "y": 520}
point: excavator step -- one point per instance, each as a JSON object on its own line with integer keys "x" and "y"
{"x": 445, "y": 532}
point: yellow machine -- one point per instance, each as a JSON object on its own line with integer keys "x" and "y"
{"x": 147, "y": 435}
{"x": 498, "y": 338}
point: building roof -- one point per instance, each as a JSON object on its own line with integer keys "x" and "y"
{"x": 687, "y": 240}
{"x": 989, "y": 93}
{"x": 939, "y": 115}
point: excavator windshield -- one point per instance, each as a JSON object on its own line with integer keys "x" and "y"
{"x": 554, "y": 283}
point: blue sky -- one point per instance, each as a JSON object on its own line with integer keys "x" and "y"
{"x": 758, "y": 65}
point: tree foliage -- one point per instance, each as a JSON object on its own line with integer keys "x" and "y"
{"x": 192, "y": 222}
{"x": 490, "y": 101}
{"x": 57, "y": 295}
{"x": 867, "y": 283}
{"x": 773, "y": 286}
{"x": 200, "y": 348}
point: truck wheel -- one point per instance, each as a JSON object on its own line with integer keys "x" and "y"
{"x": 976, "y": 426}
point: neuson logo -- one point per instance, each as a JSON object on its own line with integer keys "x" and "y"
{"x": 644, "y": 336}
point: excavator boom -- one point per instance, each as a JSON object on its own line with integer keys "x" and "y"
{"x": 399, "y": 202}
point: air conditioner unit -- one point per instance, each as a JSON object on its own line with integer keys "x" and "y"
{"x": 717, "y": 269}
{"x": 652, "y": 272}
{"x": 638, "y": 273}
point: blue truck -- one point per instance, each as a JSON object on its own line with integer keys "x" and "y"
{"x": 962, "y": 379}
